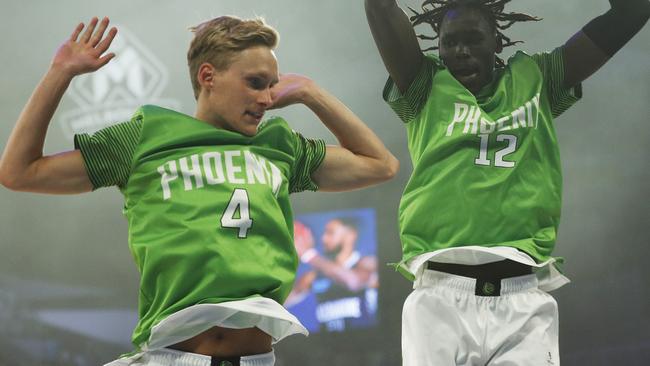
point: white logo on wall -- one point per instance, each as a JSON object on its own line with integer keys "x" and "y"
{"x": 112, "y": 94}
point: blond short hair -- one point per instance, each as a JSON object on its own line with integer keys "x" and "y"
{"x": 218, "y": 41}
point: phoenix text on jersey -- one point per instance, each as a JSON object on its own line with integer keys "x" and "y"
{"x": 232, "y": 166}
{"x": 475, "y": 122}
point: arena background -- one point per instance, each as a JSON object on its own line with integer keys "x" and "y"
{"x": 68, "y": 286}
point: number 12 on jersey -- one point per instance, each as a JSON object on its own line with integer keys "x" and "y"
{"x": 237, "y": 214}
{"x": 499, "y": 155}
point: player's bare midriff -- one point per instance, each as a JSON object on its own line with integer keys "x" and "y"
{"x": 227, "y": 342}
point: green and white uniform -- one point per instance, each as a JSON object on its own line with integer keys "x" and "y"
{"x": 210, "y": 222}
{"x": 486, "y": 186}
{"x": 486, "y": 169}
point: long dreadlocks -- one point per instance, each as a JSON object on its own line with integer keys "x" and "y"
{"x": 434, "y": 11}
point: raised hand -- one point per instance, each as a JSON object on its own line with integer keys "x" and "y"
{"x": 291, "y": 89}
{"x": 83, "y": 53}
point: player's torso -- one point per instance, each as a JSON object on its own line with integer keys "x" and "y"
{"x": 486, "y": 169}
{"x": 209, "y": 215}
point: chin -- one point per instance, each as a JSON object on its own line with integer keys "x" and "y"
{"x": 245, "y": 128}
{"x": 474, "y": 86}
{"x": 250, "y": 132}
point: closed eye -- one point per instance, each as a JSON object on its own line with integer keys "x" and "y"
{"x": 256, "y": 83}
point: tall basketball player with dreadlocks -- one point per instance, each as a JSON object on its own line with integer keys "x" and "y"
{"x": 486, "y": 174}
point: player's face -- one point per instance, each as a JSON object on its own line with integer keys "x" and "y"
{"x": 241, "y": 94}
{"x": 468, "y": 47}
{"x": 333, "y": 235}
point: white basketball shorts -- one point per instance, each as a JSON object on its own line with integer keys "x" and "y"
{"x": 444, "y": 323}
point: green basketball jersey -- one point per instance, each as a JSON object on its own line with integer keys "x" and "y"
{"x": 486, "y": 169}
{"x": 208, "y": 209}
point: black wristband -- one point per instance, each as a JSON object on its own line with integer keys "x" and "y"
{"x": 612, "y": 30}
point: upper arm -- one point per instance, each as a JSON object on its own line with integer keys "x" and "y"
{"x": 396, "y": 40}
{"x": 108, "y": 153}
{"x": 342, "y": 170}
{"x": 552, "y": 69}
{"x": 99, "y": 160}
{"x": 64, "y": 173}
{"x": 582, "y": 58}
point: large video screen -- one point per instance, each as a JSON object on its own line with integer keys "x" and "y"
{"x": 337, "y": 283}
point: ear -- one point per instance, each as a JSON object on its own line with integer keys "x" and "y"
{"x": 206, "y": 75}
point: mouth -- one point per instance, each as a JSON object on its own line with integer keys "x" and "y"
{"x": 469, "y": 76}
{"x": 257, "y": 116}
{"x": 466, "y": 72}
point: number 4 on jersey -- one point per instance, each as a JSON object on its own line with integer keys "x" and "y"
{"x": 237, "y": 214}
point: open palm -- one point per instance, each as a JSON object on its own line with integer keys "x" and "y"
{"x": 83, "y": 53}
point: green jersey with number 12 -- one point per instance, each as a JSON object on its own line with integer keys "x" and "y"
{"x": 486, "y": 168}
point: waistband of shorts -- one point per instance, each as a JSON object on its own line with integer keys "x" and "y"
{"x": 430, "y": 278}
{"x": 166, "y": 356}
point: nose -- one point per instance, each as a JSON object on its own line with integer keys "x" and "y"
{"x": 462, "y": 50}
{"x": 264, "y": 98}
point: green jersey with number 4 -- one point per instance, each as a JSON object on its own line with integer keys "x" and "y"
{"x": 486, "y": 168}
{"x": 208, "y": 209}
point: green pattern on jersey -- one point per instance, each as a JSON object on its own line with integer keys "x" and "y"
{"x": 110, "y": 152}
{"x": 486, "y": 169}
{"x": 208, "y": 209}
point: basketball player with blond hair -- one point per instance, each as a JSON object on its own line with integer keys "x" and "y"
{"x": 206, "y": 196}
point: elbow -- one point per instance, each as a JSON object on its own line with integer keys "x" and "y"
{"x": 5, "y": 177}
{"x": 10, "y": 182}
{"x": 10, "y": 179}
{"x": 7, "y": 180}
{"x": 390, "y": 168}
{"x": 393, "y": 167}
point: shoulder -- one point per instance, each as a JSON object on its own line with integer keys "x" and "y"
{"x": 433, "y": 59}
{"x": 522, "y": 63}
{"x": 520, "y": 58}
{"x": 542, "y": 60}
{"x": 275, "y": 132}
{"x": 150, "y": 111}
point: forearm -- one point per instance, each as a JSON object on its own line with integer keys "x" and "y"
{"x": 396, "y": 40}
{"x": 25, "y": 144}
{"x": 612, "y": 30}
{"x": 349, "y": 130}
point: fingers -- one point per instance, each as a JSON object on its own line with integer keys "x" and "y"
{"x": 106, "y": 42}
{"x": 94, "y": 40}
{"x": 76, "y": 32}
{"x": 105, "y": 59}
{"x": 89, "y": 31}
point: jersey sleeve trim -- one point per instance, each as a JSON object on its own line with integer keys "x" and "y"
{"x": 552, "y": 67}
{"x": 108, "y": 153}
{"x": 310, "y": 154}
{"x": 408, "y": 105}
